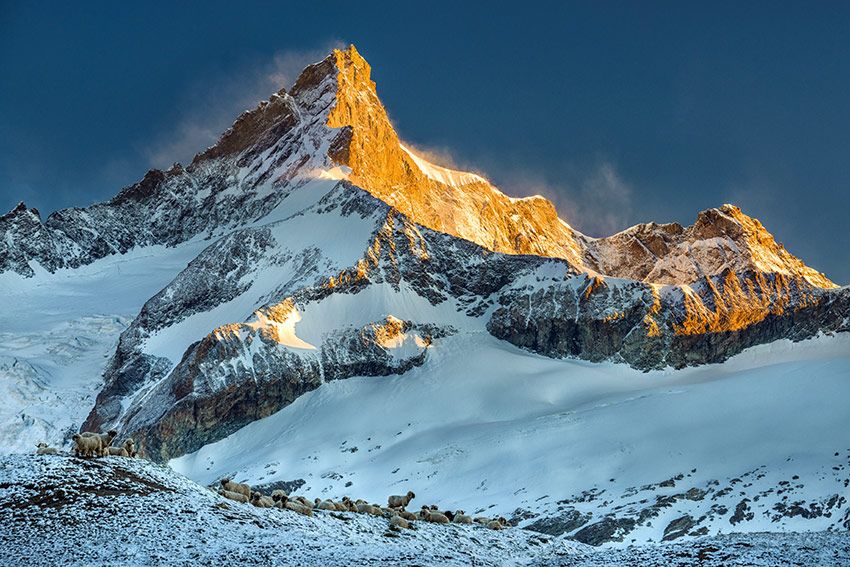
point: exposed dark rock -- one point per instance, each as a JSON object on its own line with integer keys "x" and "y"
{"x": 566, "y": 522}
{"x": 678, "y": 528}
{"x": 742, "y": 512}
{"x": 606, "y": 530}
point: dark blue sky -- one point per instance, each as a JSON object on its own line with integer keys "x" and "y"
{"x": 619, "y": 112}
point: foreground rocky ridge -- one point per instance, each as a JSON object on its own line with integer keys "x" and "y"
{"x": 55, "y": 509}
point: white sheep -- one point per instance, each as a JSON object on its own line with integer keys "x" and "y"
{"x": 497, "y": 523}
{"x": 399, "y": 522}
{"x": 320, "y": 504}
{"x": 294, "y": 506}
{"x": 126, "y": 450}
{"x": 236, "y": 496}
{"x": 304, "y": 501}
{"x": 400, "y": 501}
{"x": 261, "y": 501}
{"x": 278, "y": 494}
{"x": 432, "y": 515}
{"x": 366, "y": 508}
{"x": 462, "y": 518}
{"x": 86, "y": 445}
{"x": 228, "y": 484}
{"x": 44, "y": 449}
{"x": 105, "y": 440}
{"x": 409, "y": 516}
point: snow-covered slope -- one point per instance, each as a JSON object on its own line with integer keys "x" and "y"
{"x": 755, "y": 444}
{"x": 57, "y": 332}
{"x": 60, "y": 510}
{"x": 268, "y": 313}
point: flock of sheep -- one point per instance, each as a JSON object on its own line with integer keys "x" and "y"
{"x": 90, "y": 444}
{"x": 395, "y": 510}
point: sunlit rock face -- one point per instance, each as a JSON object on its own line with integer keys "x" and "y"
{"x": 721, "y": 239}
{"x": 462, "y": 204}
{"x": 332, "y": 124}
{"x": 337, "y": 251}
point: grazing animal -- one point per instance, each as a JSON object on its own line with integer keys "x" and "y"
{"x": 105, "y": 440}
{"x": 261, "y": 501}
{"x": 481, "y": 520}
{"x": 399, "y": 522}
{"x": 450, "y": 515}
{"x": 236, "y": 496}
{"x": 400, "y": 501}
{"x": 278, "y": 494}
{"x": 294, "y": 505}
{"x": 228, "y": 484}
{"x": 324, "y": 504}
{"x": 497, "y": 523}
{"x": 43, "y": 449}
{"x": 303, "y": 501}
{"x": 86, "y": 446}
{"x": 462, "y": 518}
{"x": 126, "y": 450}
{"x": 409, "y": 516}
{"x": 366, "y": 508}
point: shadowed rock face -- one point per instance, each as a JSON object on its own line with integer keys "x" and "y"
{"x": 243, "y": 371}
{"x": 635, "y": 323}
{"x": 218, "y": 387}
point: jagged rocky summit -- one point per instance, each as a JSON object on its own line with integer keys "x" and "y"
{"x": 337, "y": 251}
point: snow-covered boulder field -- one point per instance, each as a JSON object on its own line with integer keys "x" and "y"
{"x": 60, "y": 510}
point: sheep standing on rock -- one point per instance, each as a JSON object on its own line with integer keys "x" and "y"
{"x": 92, "y": 444}
{"x": 104, "y": 441}
{"x": 400, "y": 501}
{"x": 44, "y": 449}
{"x": 244, "y": 489}
{"x": 126, "y": 450}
